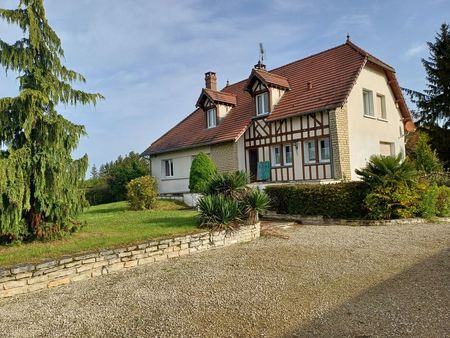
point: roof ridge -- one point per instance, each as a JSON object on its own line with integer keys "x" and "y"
{"x": 366, "y": 54}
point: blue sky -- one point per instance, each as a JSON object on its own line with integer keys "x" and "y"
{"x": 148, "y": 58}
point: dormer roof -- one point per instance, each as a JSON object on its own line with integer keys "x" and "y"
{"x": 216, "y": 97}
{"x": 267, "y": 79}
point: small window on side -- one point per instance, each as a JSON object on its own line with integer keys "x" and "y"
{"x": 310, "y": 151}
{"x": 276, "y": 156}
{"x": 324, "y": 150}
{"x": 288, "y": 154}
{"x": 368, "y": 102}
{"x": 262, "y": 104}
{"x": 381, "y": 106}
{"x": 168, "y": 168}
{"x": 211, "y": 117}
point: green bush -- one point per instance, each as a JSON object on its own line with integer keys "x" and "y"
{"x": 220, "y": 212}
{"x": 443, "y": 201}
{"x": 391, "y": 202}
{"x": 340, "y": 200}
{"x": 123, "y": 170}
{"x": 427, "y": 205}
{"x": 425, "y": 159}
{"x": 98, "y": 192}
{"x": 202, "y": 169}
{"x": 392, "y": 187}
{"x": 142, "y": 193}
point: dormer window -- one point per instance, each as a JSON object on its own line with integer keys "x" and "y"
{"x": 262, "y": 104}
{"x": 211, "y": 117}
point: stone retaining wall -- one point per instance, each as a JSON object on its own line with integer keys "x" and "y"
{"x": 26, "y": 278}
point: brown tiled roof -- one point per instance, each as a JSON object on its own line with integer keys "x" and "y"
{"x": 216, "y": 96}
{"x": 320, "y": 81}
{"x": 268, "y": 79}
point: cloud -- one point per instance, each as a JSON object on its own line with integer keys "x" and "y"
{"x": 414, "y": 51}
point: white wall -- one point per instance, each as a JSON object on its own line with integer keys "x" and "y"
{"x": 182, "y": 161}
{"x": 365, "y": 134}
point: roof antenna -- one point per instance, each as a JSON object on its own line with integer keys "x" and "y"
{"x": 261, "y": 53}
{"x": 348, "y": 37}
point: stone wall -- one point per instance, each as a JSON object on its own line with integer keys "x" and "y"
{"x": 225, "y": 156}
{"x": 339, "y": 143}
{"x": 27, "y": 278}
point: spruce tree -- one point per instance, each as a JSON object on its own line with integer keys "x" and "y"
{"x": 40, "y": 184}
{"x": 433, "y": 106}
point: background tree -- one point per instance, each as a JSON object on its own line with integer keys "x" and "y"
{"x": 40, "y": 183}
{"x": 110, "y": 185}
{"x": 432, "y": 113}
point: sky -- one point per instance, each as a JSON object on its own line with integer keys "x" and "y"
{"x": 148, "y": 57}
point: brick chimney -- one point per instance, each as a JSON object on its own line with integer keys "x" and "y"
{"x": 211, "y": 80}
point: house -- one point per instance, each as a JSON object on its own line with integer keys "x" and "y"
{"x": 313, "y": 120}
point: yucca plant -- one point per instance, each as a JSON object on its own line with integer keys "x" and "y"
{"x": 230, "y": 184}
{"x": 219, "y": 212}
{"x": 256, "y": 202}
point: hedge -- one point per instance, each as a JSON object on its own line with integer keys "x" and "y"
{"x": 338, "y": 200}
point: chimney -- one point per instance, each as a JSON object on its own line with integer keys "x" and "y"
{"x": 211, "y": 80}
{"x": 309, "y": 85}
{"x": 260, "y": 65}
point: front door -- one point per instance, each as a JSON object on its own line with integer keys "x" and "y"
{"x": 253, "y": 163}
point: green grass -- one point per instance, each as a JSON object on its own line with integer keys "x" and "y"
{"x": 108, "y": 226}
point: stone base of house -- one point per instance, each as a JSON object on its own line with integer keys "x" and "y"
{"x": 25, "y": 278}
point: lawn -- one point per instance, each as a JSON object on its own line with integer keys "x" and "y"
{"x": 108, "y": 226}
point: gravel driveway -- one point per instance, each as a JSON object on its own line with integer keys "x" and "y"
{"x": 302, "y": 281}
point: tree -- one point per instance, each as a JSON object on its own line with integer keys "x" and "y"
{"x": 202, "y": 170}
{"x": 434, "y": 104}
{"x": 123, "y": 170}
{"x": 94, "y": 172}
{"x": 40, "y": 183}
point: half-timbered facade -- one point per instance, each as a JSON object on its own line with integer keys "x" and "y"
{"x": 314, "y": 120}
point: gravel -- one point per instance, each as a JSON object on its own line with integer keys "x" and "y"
{"x": 298, "y": 281}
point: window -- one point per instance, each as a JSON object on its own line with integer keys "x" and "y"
{"x": 211, "y": 114}
{"x": 287, "y": 154}
{"x": 276, "y": 156}
{"x": 168, "y": 168}
{"x": 387, "y": 149}
{"x": 310, "y": 151}
{"x": 324, "y": 153}
{"x": 381, "y": 106}
{"x": 368, "y": 102}
{"x": 262, "y": 104}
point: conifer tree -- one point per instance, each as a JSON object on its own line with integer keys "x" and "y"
{"x": 434, "y": 104}
{"x": 40, "y": 183}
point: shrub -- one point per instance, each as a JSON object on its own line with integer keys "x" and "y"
{"x": 427, "y": 205}
{"x": 202, "y": 169}
{"x": 426, "y": 160}
{"x": 340, "y": 200}
{"x": 255, "y": 202}
{"x": 98, "y": 192}
{"x": 388, "y": 171}
{"x": 228, "y": 184}
{"x": 122, "y": 171}
{"x": 391, "y": 182}
{"x": 142, "y": 193}
{"x": 390, "y": 202}
{"x": 443, "y": 201}
{"x": 219, "y": 212}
